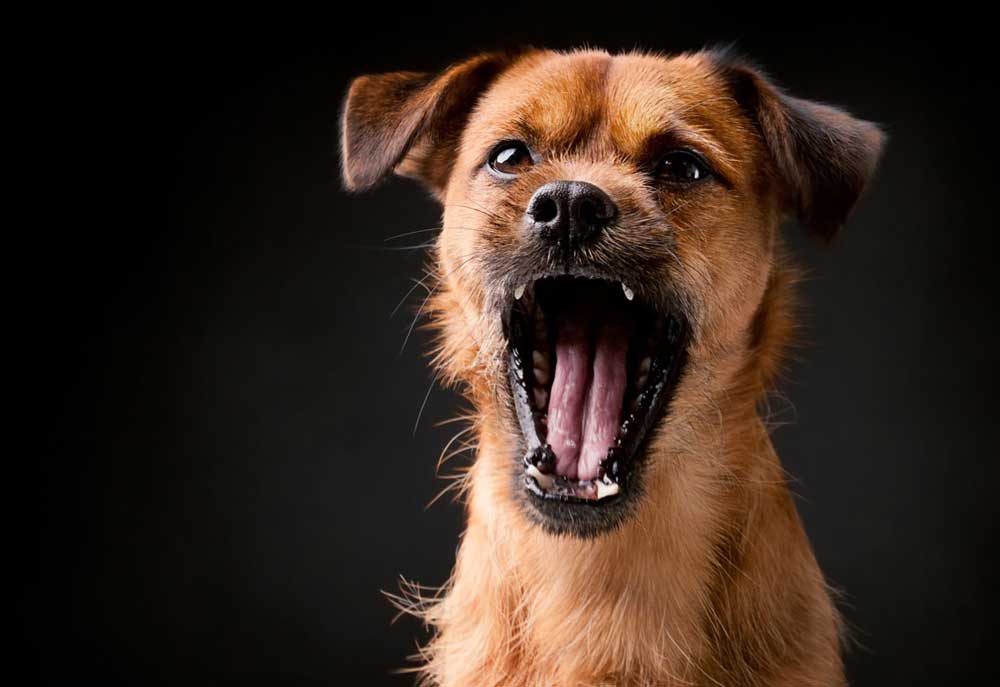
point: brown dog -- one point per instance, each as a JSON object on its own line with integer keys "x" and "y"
{"x": 613, "y": 298}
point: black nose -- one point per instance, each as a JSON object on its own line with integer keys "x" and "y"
{"x": 569, "y": 213}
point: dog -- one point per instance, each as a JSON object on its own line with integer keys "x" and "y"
{"x": 614, "y": 300}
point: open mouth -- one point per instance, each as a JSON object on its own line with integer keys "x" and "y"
{"x": 592, "y": 369}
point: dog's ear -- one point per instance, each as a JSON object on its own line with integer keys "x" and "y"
{"x": 410, "y": 122}
{"x": 824, "y": 157}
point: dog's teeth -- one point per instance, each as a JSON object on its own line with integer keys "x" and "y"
{"x": 629, "y": 294}
{"x": 518, "y": 292}
{"x": 541, "y": 398}
{"x": 604, "y": 490}
{"x": 540, "y": 360}
{"x": 541, "y": 375}
{"x": 643, "y": 372}
{"x": 544, "y": 481}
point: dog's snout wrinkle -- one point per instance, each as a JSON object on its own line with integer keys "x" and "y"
{"x": 569, "y": 214}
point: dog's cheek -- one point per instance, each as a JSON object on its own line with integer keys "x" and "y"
{"x": 460, "y": 271}
{"x": 725, "y": 255}
{"x": 469, "y": 319}
{"x": 484, "y": 219}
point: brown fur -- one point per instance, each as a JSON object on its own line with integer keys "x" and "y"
{"x": 712, "y": 581}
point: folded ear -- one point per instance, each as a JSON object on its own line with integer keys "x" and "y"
{"x": 410, "y": 122}
{"x": 824, "y": 157}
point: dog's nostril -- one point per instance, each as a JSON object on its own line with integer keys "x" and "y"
{"x": 544, "y": 209}
{"x": 589, "y": 212}
{"x": 592, "y": 207}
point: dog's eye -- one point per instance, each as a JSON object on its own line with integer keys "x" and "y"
{"x": 682, "y": 167}
{"x": 510, "y": 158}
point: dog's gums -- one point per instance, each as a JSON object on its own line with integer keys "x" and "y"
{"x": 591, "y": 370}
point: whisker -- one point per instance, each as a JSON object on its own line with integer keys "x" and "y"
{"x": 453, "y": 420}
{"x": 411, "y": 233}
{"x": 458, "y": 483}
{"x": 447, "y": 446}
{"x": 407, "y": 295}
{"x": 474, "y": 209}
{"x": 416, "y": 317}
{"x": 430, "y": 293}
{"x": 419, "y": 246}
{"x": 424, "y": 404}
{"x": 438, "y": 229}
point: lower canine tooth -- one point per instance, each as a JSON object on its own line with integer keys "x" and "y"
{"x": 544, "y": 481}
{"x": 606, "y": 489}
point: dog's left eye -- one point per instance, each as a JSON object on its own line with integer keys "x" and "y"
{"x": 510, "y": 158}
{"x": 682, "y": 167}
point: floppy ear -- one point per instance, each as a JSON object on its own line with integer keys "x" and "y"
{"x": 410, "y": 122}
{"x": 824, "y": 157}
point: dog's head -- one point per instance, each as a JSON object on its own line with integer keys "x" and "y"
{"x": 608, "y": 254}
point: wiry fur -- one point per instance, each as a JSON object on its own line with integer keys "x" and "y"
{"x": 712, "y": 581}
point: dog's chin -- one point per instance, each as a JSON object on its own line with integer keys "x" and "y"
{"x": 592, "y": 369}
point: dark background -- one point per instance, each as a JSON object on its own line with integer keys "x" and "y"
{"x": 229, "y": 472}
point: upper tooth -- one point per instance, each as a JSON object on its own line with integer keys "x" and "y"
{"x": 518, "y": 292}
{"x": 629, "y": 294}
{"x": 541, "y": 331}
{"x": 541, "y": 365}
{"x": 541, "y": 375}
{"x": 541, "y": 398}
{"x": 644, "y": 365}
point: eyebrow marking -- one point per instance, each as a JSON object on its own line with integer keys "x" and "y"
{"x": 713, "y": 99}
{"x": 525, "y": 131}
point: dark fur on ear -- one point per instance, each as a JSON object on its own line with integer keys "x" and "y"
{"x": 823, "y": 156}
{"x": 410, "y": 122}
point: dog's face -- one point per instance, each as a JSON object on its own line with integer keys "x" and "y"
{"x": 608, "y": 244}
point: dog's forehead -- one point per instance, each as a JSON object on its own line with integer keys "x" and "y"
{"x": 560, "y": 99}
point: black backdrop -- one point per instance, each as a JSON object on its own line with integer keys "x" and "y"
{"x": 230, "y": 472}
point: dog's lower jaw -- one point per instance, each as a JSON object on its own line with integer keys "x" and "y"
{"x": 714, "y": 583}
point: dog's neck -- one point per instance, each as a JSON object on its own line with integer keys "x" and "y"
{"x": 714, "y": 559}
{"x": 712, "y": 582}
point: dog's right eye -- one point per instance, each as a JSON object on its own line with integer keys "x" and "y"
{"x": 509, "y": 159}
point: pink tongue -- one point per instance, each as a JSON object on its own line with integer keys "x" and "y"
{"x": 587, "y": 390}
